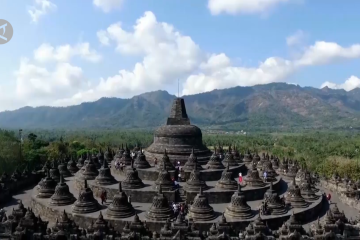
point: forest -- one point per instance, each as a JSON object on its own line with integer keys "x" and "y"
{"x": 323, "y": 152}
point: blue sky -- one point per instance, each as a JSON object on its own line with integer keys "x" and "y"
{"x": 213, "y": 44}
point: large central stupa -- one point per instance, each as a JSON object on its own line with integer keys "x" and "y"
{"x": 178, "y": 137}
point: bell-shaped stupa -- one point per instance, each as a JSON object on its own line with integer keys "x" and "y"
{"x": 165, "y": 160}
{"x": 178, "y": 137}
{"x": 132, "y": 180}
{"x": 252, "y": 178}
{"x": 295, "y": 198}
{"x": 195, "y": 183}
{"x": 160, "y": 209}
{"x": 86, "y": 203}
{"x": 164, "y": 180}
{"x": 46, "y": 186}
{"x": 105, "y": 177}
{"x": 71, "y": 166}
{"x": 120, "y": 206}
{"x": 62, "y": 195}
{"x": 247, "y": 157}
{"x": 54, "y": 171}
{"x": 200, "y": 210}
{"x": 275, "y": 205}
{"x": 227, "y": 181}
{"x": 238, "y": 207}
{"x": 90, "y": 171}
{"x": 215, "y": 161}
{"x": 192, "y": 162}
{"x": 140, "y": 161}
{"x": 126, "y": 156}
{"x": 229, "y": 159}
{"x": 63, "y": 169}
{"x": 80, "y": 162}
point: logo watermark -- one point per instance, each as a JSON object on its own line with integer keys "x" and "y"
{"x": 6, "y": 31}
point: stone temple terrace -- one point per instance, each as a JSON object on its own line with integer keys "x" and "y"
{"x": 176, "y": 189}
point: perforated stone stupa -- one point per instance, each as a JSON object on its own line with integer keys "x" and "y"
{"x": 227, "y": 181}
{"x": 238, "y": 207}
{"x": 160, "y": 209}
{"x": 200, "y": 210}
{"x": 120, "y": 206}
{"x": 86, "y": 203}
{"x": 178, "y": 137}
{"x": 165, "y": 160}
{"x": 62, "y": 195}
{"x": 132, "y": 180}
{"x": 46, "y": 186}
{"x": 105, "y": 177}
{"x": 140, "y": 161}
{"x": 215, "y": 161}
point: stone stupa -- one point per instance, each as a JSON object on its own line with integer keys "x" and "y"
{"x": 274, "y": 204}
{"x": 296, "y": 199}
{"x": 140, "y": 161}
{"x": 215, "y": 161}
{"x": 62, "y": 195}
{"x": 126, "y": 156}
{"x": 238, "y": 207}
{"x": 229, "y": 159}
{"x": 120, "y": 206}
{"x": 46, "y": 186}
{"x": 54, "y": 171}
{"x": 164, "y": 180}
{"x": 252, "y": 178}
{"x": 192, "y": 162}
{"x": 132, "y": 180}
{"x": 200, "y": 210}
{"x": 226, "y": 181}
{"x": 63, "y": 169}
{"x": 80, "y": 162}
{"x": 105, "y": 177}
{"x": 90, "y": 171}
{"x": 195, "y": 183}
{"x": 71, "y": 166}
{"x": 178, "y": 137}
{"x": 86, "y": 203}
{"x": 165, "y": 160}
{"x": 247, "y": 157}
{"x": 160, "y": 209}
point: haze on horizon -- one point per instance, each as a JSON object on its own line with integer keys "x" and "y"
{"x": 122, "y": 48}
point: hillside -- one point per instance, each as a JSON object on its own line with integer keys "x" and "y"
{"x": 275, "y": 106}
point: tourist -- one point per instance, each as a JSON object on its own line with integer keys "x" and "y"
{"x": 103, "y": 197}
{"x": 129, "y": 198}
{"x": 179, "y": 177}
{"x": 176, "y": 184}
{"x": 265, "y": 176}
{"x": 155, "y": 161}
{"x": 328, "y": 197}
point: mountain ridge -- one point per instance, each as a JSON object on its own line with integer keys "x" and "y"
{"x": 276, "y": 106}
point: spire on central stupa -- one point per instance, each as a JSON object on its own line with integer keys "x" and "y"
{"x": 178, "y": 115}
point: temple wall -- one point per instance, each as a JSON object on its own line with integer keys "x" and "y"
{"x": 340, "y": 189}
{"x": 181, "y": 141}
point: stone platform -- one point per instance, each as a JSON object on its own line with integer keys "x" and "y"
{"x": 141, "y": 199}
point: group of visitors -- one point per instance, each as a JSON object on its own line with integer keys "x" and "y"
{"x": 119, "y": 165}
{"x": 179, "y": 208}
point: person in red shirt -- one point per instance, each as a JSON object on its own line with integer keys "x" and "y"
{"x": 103, "y": 197}
{"x": 328, "y": 197}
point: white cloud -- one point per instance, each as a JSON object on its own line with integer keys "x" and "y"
{"x": 234, "y": 7}
{"x": 296, "y": 39}
{"x": 167, "y": 55}
{"x": 350, "y": 84}
{"x": 64, "y": 53}
{"x": 38, "y": 86}
{"x": 326, "y": 52}
{"x": 108, "y": 5}
{"x": 41, "y": 8}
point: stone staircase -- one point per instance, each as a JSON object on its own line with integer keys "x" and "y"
{"x": 181, "y": 195}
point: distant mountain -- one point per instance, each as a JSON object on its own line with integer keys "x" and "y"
{"x": 275, "y": 106}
